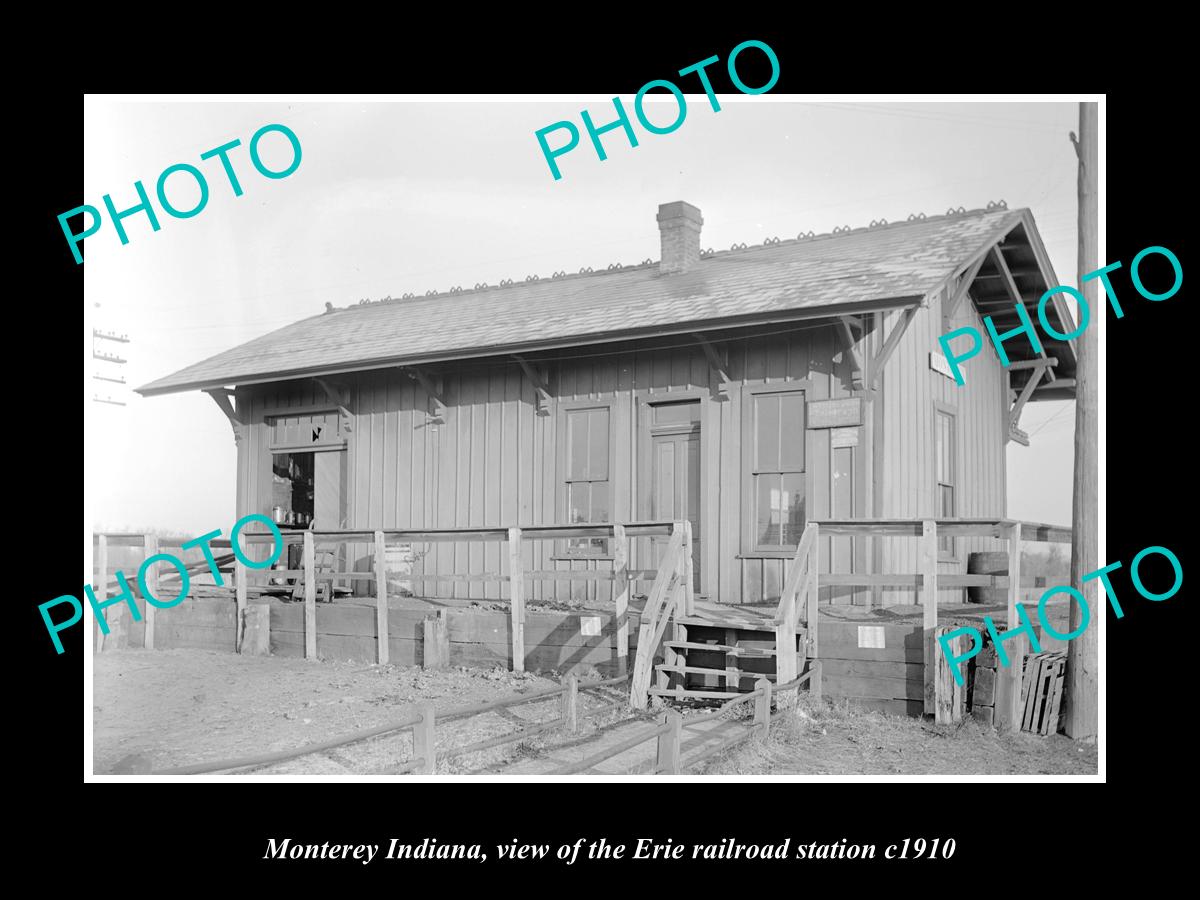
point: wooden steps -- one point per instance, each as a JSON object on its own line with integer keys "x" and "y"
{"x": 740, "y": 650}
{"x": 722, "y": 673}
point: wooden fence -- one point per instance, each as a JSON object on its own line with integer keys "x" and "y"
{"x": 939, "y": 694}
{"x": 516, "y": 576}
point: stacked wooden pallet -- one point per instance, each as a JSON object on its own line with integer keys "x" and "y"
{"x": 1041, "y": 692}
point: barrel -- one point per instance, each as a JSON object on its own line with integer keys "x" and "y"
{"x": 988, "y": 562}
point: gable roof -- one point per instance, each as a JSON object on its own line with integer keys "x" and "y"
{"x": 852, "y": 269}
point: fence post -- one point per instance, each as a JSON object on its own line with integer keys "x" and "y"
{"x": 242, "y": 590}
{"x": 310, "y": 597}
{"x": 929, "y": 555}
{"x": 762, "y": 709}
{"x": 621, "y": 596}
{"x": 425, "y": 740}
{"x": 516, "y": 585}
{"x": 814, "y": 590}
{"x": 151, "y": 588}
{"x": 949, "y": 692}
{"x": 570, "y": 703}
{"x": 667, "y": 759}
{"x": 102, "y": 584}
{"x": 1008, "y": 678}
{"x": 381, "y": 604}
{"x": 435, "y": 644}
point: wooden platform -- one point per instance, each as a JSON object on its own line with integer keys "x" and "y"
{"x": 723, "y": 615}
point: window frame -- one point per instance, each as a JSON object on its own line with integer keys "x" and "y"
{"x": 564, "y": 550}
{"x": 950, "y": 554}
{"x": 749, "y": 464}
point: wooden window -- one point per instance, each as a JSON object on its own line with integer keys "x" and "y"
{"x": 946, "y": 474}
{"x": 587, "y": 467}
{"x": 773, "y": 435}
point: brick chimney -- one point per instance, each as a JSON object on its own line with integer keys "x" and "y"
{"x": 679, "y": 227}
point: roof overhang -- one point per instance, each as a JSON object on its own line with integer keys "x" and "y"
{"x": 493, "y": 350}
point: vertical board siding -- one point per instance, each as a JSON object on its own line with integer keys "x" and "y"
{"x": 493, "y": 461}
{"x": 910, "y": 389}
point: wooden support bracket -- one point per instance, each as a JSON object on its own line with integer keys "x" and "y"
{"x": 435, "y": 395}
{"x": 338, "y": 393}
{"x": 889, "y": 346}
{"x": 1014, "y": 415}
{"x": 544, "y": 400}
{"x": 224, "y": 397}
{"x": 850, "y": 342}
{"x": 718, "y": 367}
{"x": 960, "y": 291}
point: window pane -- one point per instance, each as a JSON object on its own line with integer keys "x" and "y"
{"x": 767, "y": 525}
{"x": 766, "y": 432}
{"x": 791, "y": 443}
{"x": 599, "y": 511}
{"x": 947, "y": 501}
{"x": 598, "y": 443}
{"x": 792, "y": 508}
{"x": 578, "y": 501}
{"x": 676, "y": 413}
{"x": 577, "y": 443}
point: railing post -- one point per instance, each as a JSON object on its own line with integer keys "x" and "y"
{"x": 688, "y": 567}
{"x": 814, "y": 590}
{"x": 516, "y": 583}
{"x": 425, "y": 740}
{"x": 929, "y": 556}
{"x": 641, "y": 666}
{"x": 762, "y": 709}
{"x": 667, "y": 758}
{"x": 381, "y": 603}
{"x": 310, "y": 597}
{"x": 949, "y": 692}
{"x": 151, "y": 588}
{"x": 621, "y": 596}
{"x": 1008, "y": 678}
{"x": 569, "y": 704}
{"x": 102, "y": 585}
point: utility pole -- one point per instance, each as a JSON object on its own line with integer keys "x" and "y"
{"x": 1082, "y": 658}
{"x": 108, "y": 358}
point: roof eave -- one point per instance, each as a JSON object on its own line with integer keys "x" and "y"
{"x": 767, "y": 318}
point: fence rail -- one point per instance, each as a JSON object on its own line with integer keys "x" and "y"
{"x": 423, "y": 727}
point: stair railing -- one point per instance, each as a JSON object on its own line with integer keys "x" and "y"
{"x": 799, "y": 595}
{"x": 669, "y": 596}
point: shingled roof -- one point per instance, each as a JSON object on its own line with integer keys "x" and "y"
{"x": 864, "y": 268}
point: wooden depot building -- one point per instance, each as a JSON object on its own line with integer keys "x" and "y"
{"x": 747, "y": 391}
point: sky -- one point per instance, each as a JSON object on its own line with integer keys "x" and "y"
{"x": 396, "y": 197}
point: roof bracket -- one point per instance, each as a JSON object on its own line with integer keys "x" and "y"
{"x": 544, "y": 400}
{"x": 435, "y": 395}
{"x": 1010, "y": 285}
{"x": 1014, "y": 415}
{"x": 718, "y": 367}
{"x": 224, "y": 397}
{"x": 847, "y": 334}
{"x": 889, "y": 346}
{"x": 338, "y": 393}
{"x": 960, "y": 291}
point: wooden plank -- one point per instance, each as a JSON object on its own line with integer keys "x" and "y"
{"x": 1050, "y": 721}
{"x": 425, "y": 740}
{"x": 569, "y": 704}
{"x": 241, "y": 592}
{"x": 517, "y": 594}
{"x": 435, "y": 652}
{"x": 930, "y": 612}
{"x": 858, "y": 687}
{"x": 621, "y": 594}
{"x": 899, "y": 669}
{"x": 102, "y": 584}
{"x": 152, "y": 589}
{"x": 310, "y": 598}
{"x": 1008, "y": 678}
{"x": 381, "y": 604}
{"x": 256, "y": 632}
{"x": 948, "y": 695}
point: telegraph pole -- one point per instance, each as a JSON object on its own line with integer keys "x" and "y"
{"x": 1082, "y": 694}
{"x": 112, "y": 358}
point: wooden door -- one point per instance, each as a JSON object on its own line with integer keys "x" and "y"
{"x": 675, "y": 475}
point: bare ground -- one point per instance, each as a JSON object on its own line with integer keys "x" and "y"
{"x": 169, "y": 708}
{"x": 829, "y": 739}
